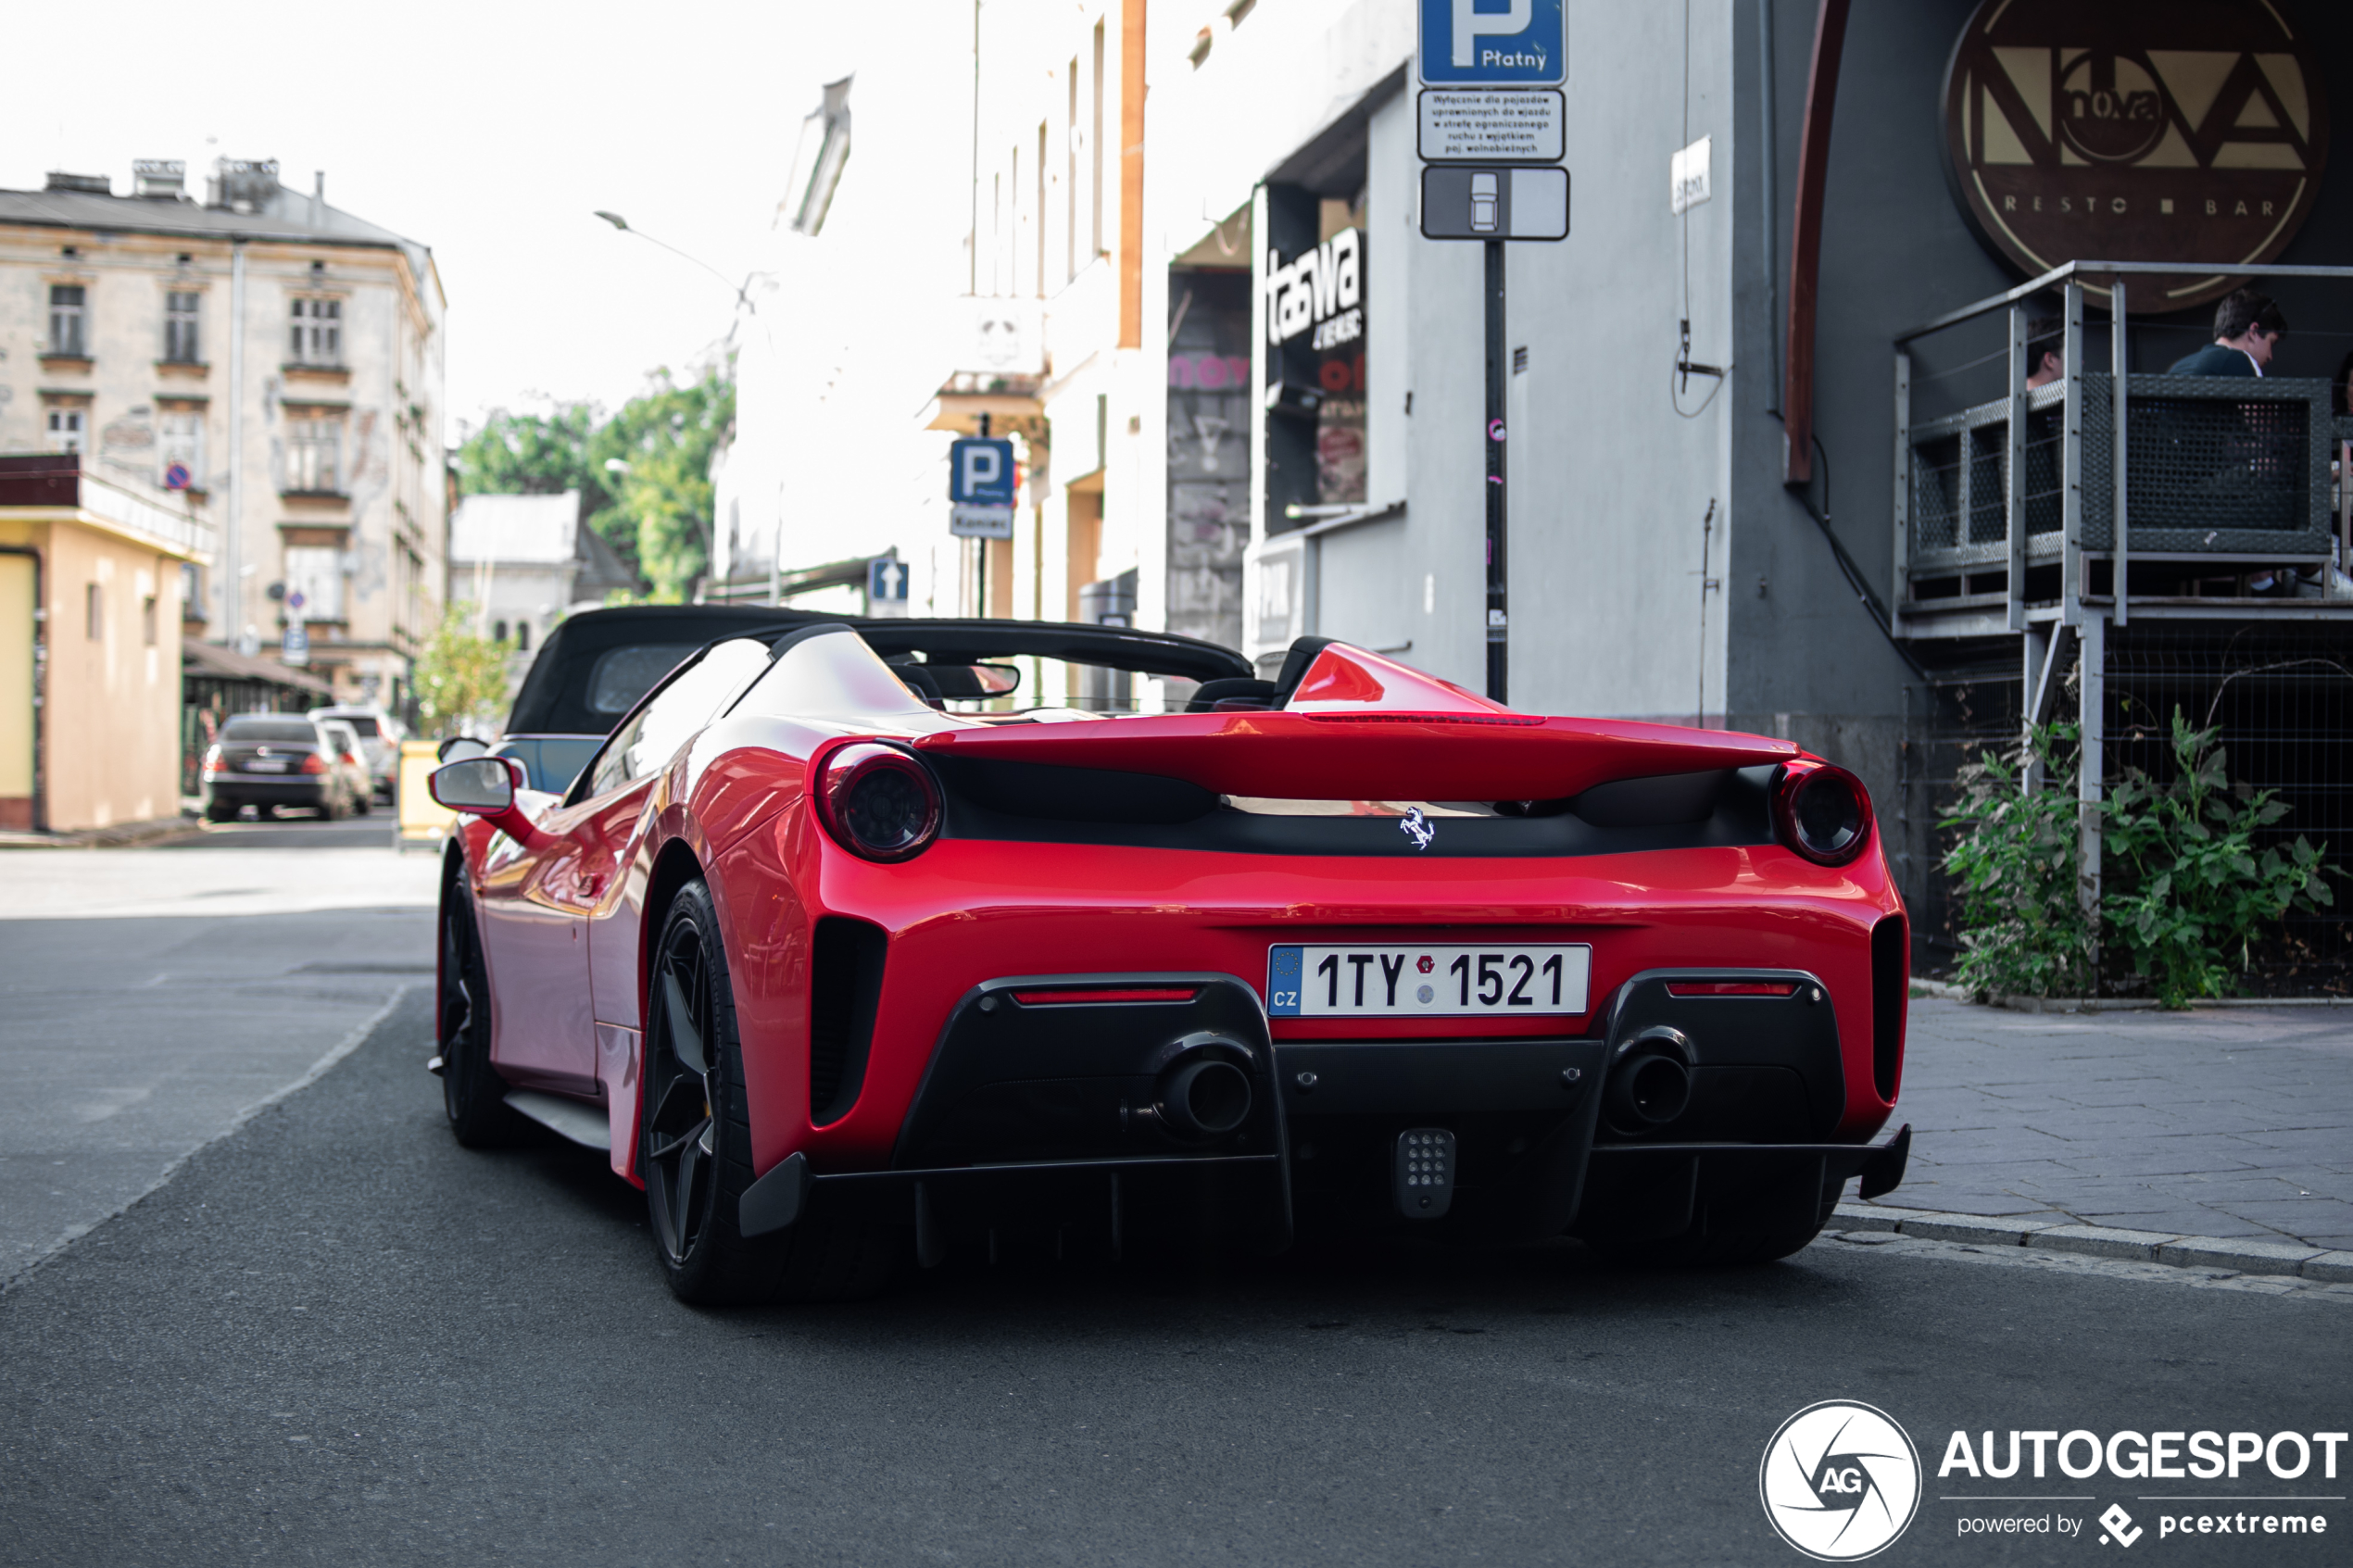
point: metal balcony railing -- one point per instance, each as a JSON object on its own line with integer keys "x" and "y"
{"x": 2033, "y": 505}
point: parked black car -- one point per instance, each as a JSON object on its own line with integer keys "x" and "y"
{"x": 272, "y": 761}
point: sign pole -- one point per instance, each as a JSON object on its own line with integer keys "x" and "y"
{"x": 1498, "y": 556}
{"x": 980, "y": 546}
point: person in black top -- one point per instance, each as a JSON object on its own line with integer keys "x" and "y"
{"x": 2247, "y": 327}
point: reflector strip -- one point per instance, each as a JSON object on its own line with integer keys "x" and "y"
{"x": 1063, "y": 998}
{"x": 1731, "y": 988}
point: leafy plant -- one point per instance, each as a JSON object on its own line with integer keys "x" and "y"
{"x": 644, "y": 473}
{"x": 2024, "y": 928}
{"x": 461, "y": 676}
{"x": 2194, "y": 891}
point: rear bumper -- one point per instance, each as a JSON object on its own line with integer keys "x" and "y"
{"x": 1046, "y": 1100}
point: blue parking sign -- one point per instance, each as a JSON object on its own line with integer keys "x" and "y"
{"x": 980, "y": 472}
{"x": 1493, "y": 42}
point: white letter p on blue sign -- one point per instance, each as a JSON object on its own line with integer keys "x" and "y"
{"x": 1471, "y": 24}
{"x": 1493, "y": 42}
{"x": 982, "y": 466}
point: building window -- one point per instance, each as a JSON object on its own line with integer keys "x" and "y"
{"x": 147, "y": 619}
{"x": 318, "y": 332}
{"x": 498, "y": 631}
{"x": 181, "y": 444}
{"x": 95, "y": 608}
{"x": 314, "y": 583}
{"x": 523, "y": 636}
{"x": 67, "y": 319}
{"x": 66, "y": 429}
{"x": 314, "y": 455}
{"x": 180, "y": 346}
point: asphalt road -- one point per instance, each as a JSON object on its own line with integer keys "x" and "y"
{"x": 334, "y": 1336}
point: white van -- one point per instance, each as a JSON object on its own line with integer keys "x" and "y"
{"x": 380, "y": 737}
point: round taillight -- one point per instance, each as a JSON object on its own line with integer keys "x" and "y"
{"x": 878, "y": 802}
{"x": 1822, "y": 813}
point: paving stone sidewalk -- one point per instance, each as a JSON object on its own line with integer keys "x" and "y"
{"x": 2235, "y": 1123}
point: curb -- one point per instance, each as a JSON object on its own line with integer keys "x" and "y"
{"x": 117, "y": 837}
{"x": 2292, "y": 1259}
{"x": 1923, "y": 990}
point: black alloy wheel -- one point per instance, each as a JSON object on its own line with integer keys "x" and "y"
{"x": 472, "y": 1091}
{"x": 695, "y": 1143}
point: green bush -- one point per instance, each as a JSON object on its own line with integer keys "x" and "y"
{"x": 2193, "y": 891}
{"x": 2024, "y": 929}
{"x": 2185, "y": 892}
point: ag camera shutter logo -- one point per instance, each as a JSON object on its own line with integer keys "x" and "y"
{"x": 1840, "y": 1481}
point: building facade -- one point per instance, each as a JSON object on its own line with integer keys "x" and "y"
{"x": 522, "y": 563}
{"x": 259, "y": 359}
{"x": 1768, "y": 196}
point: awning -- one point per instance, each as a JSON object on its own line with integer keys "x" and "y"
{"x": 227, "y": 664}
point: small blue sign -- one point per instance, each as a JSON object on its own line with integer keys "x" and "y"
{"x": 980, "y": 472}
{"x": 1493, "y": 42}
{"x": 1282, "y": 981}
{"x": 887, "y": 580}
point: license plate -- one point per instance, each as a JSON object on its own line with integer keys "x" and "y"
{"x": 1380, "y": 981}
{"x": 265, "y": 765}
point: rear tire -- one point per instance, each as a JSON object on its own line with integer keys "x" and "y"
{"x": 695, "y": 1147}
{"x": 220, "y": 811}
{"x": 473, "y": 1094}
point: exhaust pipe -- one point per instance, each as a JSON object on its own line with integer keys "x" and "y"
{"x": 1651, "y": 1085}
{"x": 1205, "y": 1097}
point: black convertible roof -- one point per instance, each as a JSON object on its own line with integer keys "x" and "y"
{"x": 554, "y": 696}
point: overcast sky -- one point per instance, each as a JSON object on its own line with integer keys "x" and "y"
{"x": 489, "y": 131}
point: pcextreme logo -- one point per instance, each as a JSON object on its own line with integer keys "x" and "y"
{"x": 1840, "y": 1481}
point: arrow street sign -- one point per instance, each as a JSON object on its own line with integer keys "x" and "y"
{"x": 887, "y": 580}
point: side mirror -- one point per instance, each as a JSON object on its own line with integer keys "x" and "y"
{"x": 456, "y": 748}
{"x": 482, "y": 786}
{"x": 485, "y": 787}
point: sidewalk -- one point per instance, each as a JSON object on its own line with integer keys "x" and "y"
{"x": 2235, "y": 1124}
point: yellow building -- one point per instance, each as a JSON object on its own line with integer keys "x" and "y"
{"x": 89, "y": 625}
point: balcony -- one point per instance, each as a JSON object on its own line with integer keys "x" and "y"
{"x": 2199, "y": 497}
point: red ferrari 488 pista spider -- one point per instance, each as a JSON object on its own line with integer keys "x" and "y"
{"x": 842, "y": 957}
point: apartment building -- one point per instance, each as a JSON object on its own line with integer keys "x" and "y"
{"x": 261, "y": 359}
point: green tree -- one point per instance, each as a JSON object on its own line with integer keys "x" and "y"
{"x": 661, "y": 522}
{"x": 655, "y": 511}
{"x": 461, "y": 677}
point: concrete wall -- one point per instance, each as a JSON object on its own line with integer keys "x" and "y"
{"x": 110, "y": 721}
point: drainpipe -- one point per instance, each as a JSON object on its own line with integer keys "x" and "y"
{"x": 1805, "y": 242}
{"x": 233, "y": 604}
{"x": 40, "y": 687}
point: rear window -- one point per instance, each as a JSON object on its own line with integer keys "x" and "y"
{"x": 621, "y": 675}
{"x": 294, "y": 732}
{"x": 361, "y": 724}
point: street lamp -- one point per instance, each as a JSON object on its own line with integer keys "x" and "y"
{"x": 742, "y": 298}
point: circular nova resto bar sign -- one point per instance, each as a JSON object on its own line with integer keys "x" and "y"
{"x": 2188, "y": 131}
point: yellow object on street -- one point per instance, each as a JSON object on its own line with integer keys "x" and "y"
{"x": 422, "y": 818}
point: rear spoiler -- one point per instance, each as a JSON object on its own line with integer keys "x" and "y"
{"x": 1369, "y": 755}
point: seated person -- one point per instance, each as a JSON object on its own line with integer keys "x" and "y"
{"x": 2247, "y": 328}
{"x": 2046, "y": 351}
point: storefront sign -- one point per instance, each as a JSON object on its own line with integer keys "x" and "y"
{"x": 1322, "y": 289}
{"x": 2113, "y": 131}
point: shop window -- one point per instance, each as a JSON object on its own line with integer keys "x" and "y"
{"x": 180, "y": 345}
{"x": 318, "y": 332}
{"x": 180, "y": 448}
{"x": 1316, "y": 284}
{"x": 69, "y": 322}
{"x": 67, "y": 430}
{"x": 314, "y": 455}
